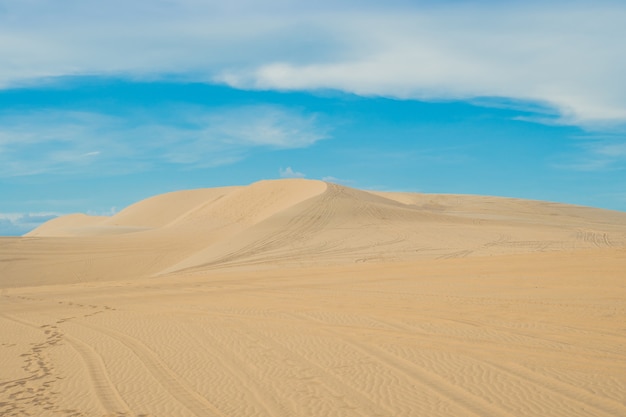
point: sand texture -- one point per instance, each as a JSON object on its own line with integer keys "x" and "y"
{"x": 302, "y": 298}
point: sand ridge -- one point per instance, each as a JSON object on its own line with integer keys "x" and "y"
{"x": 295, "y": 222}
{"x": 303, "y": 222}
{"x": 306, "y": 298}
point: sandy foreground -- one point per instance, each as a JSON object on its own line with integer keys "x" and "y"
{"x": 301, "y": 298}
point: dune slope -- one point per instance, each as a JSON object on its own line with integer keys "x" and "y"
{"x": 296, "y": 223}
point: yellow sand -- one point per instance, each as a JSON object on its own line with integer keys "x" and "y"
{"x": 301, "y": 298}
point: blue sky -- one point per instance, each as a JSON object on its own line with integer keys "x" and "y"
{"x": 103, "y": 104}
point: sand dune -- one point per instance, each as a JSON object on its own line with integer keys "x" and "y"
{"x": 297, "y": 223}
{"x": 303, "y": 298}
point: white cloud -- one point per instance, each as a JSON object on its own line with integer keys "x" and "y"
{"x": 71, "y": 141}
{"x": 263, "y": 126}
{"x": 336, "y": 180}
{"x": 290, "y": 173}
{"x": 612, "y": 150}
{"x": 568, "y": 55}
{"x": 600, "y": 153}
{"x": 110, "y": 212}
{"x": 17, "y": 224}
{"x": 565, "y": 57}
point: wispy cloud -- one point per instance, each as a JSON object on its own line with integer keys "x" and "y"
{"x": 17, "y": 224}
{"x": 336, "y": 180}
{"x": 597, "y": 153}
{"x": 290, "y": 173}
{"x": 611, "y": 150}
{"x": 72, "y": 141}
{"x": 566, "y": 55}
{"x": 561, "y": 56}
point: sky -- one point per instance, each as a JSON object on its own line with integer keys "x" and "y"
{"x": 103, "y": 104}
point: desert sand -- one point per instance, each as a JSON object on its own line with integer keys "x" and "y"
{"x": 304, "y": 298}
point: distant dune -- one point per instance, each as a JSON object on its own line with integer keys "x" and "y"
{"x": 305, "y": 298}
{"x": 296, "y": 223}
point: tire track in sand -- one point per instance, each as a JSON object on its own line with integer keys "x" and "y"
{"x": 474, "y": 404}
{"x": 237, "y": 371}
{"x": 169, "y": 380}
{"x": 597, "y": 239}
{"x": 332, "y": 382}
{"x": 108, "y": 396}
{"x": 599, "y": 405}
{"x": 105, "y": 391}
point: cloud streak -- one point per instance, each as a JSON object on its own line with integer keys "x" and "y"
{"x": 17, "y": 224}
{"x": 567, "y": 55}
{"x": 68, "y": 142}
{"x": 290, "y": 173}
{"x": 596, "y": 153}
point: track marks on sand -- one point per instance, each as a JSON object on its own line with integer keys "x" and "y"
{"x": 597, "y": 239}
{"x": 37, "y": 391}
{"x": 108, "y": 395}
{"x": 41, "y": 386}
{"x": 581, "y": 401}
{"x": 431, "y": 381}
{"x": 236, "y": 378}
{"x": 299, "y": 380}
{"x": 169, "y": 380}
{"x": 424, "y": 382}
{"x": 529, "y": 393}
